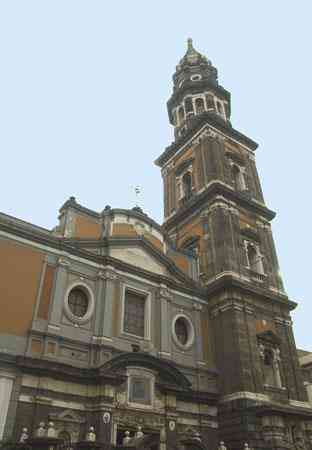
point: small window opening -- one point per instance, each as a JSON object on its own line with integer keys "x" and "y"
{"x": 199, "y": 105}
{"x": 188, "y": 105}
{"x": 65, "y": 436}
{"x": 187, "y": 185}
{"x": 210, "y": 102}
{"x": 181, "y": 114}
{"x": 220, "y": 108}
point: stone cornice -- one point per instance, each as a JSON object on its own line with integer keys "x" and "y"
{"x": 228, "y": 281}
{"x": 65, "y": 246}
{"x": 199, "y": 201}
{"x": 287, "y": 410}
{"x": 198, "y": 122}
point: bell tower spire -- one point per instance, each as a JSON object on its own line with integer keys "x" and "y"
{"x": 214, "y": 207}
{"x": 196, "y": 91}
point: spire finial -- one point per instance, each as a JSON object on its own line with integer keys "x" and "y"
{"x": 190, "y": 44}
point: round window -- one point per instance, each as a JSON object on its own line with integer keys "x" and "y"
{"x": 196, "y": 77}
{"x": 183, "y": 331}
{"x": 78, "y": 302}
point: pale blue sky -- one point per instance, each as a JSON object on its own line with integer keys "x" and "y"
{"x": 83, "y": 91}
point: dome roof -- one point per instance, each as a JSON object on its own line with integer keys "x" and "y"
{"x": 192, "y": 57}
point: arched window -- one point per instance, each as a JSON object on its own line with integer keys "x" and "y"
{"x": 188, "y": 105}
{"x": 66, "y": 440}
{"x": 187, "y": 185}
{"x": 269, "y": 377}
{"x": 220, "y": 108}
{"x": 199, "y": 105}
{"x": 181, "y": 114}
{"x": 210, "y": 102}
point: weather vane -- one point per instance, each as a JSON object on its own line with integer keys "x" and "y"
{"x": 137, "y": 191}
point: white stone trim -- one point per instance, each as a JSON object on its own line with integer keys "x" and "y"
{"x": 190, "y": 331}
{"x": 245, "y": 395}
{"x": 300, "y": 404}
{"x": 91, "y": 306}
{"x": 52, "y": 402}
{"x": 197, "y": 75}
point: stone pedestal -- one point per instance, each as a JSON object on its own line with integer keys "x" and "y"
{"x": 45, "y": 443}
{"x": 88, "y": 445}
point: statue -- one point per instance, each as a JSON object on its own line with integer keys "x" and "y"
{"x": 24, "y": 436}
{"x": 51, "y": 433}
{"x": 127, "y": 439}
{"x": 246, "y": 446}
{"x": 299, "y": 444}
{"x": 222, "y": 446}
{"x": 261, "y": 350}
{"x": 197, "y": 436}
{"x": 139, "y": 434}
{"x": 40, "y": 432}
{"x": 91, "y": 436}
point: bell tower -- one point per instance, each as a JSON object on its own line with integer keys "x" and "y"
{"x": 214, "y": 208}
{"x": 213, "y": 198}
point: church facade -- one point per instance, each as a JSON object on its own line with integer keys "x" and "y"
{"x": 181, "y": 332}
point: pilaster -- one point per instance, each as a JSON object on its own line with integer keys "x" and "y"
{"x": 165, "y": 297}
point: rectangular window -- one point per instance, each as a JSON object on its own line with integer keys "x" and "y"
{"x": 134, "y": 313}
{"x": 140, "y": 390}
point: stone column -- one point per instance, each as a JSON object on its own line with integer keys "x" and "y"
{"x": 165, "y": 297}
{"x": 6, "y": 385}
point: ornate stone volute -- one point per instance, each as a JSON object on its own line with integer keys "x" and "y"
{"x": 165, "y": 293}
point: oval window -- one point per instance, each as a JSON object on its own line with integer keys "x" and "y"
{"x": 196, "y": 77}
{"x": 181, "y": 330}
{"x": 78, "y": 302}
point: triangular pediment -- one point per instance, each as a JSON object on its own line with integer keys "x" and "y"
{"x": 137, "y": 252}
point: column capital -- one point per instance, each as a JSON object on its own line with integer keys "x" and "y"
{"x": 165, "y": 293}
